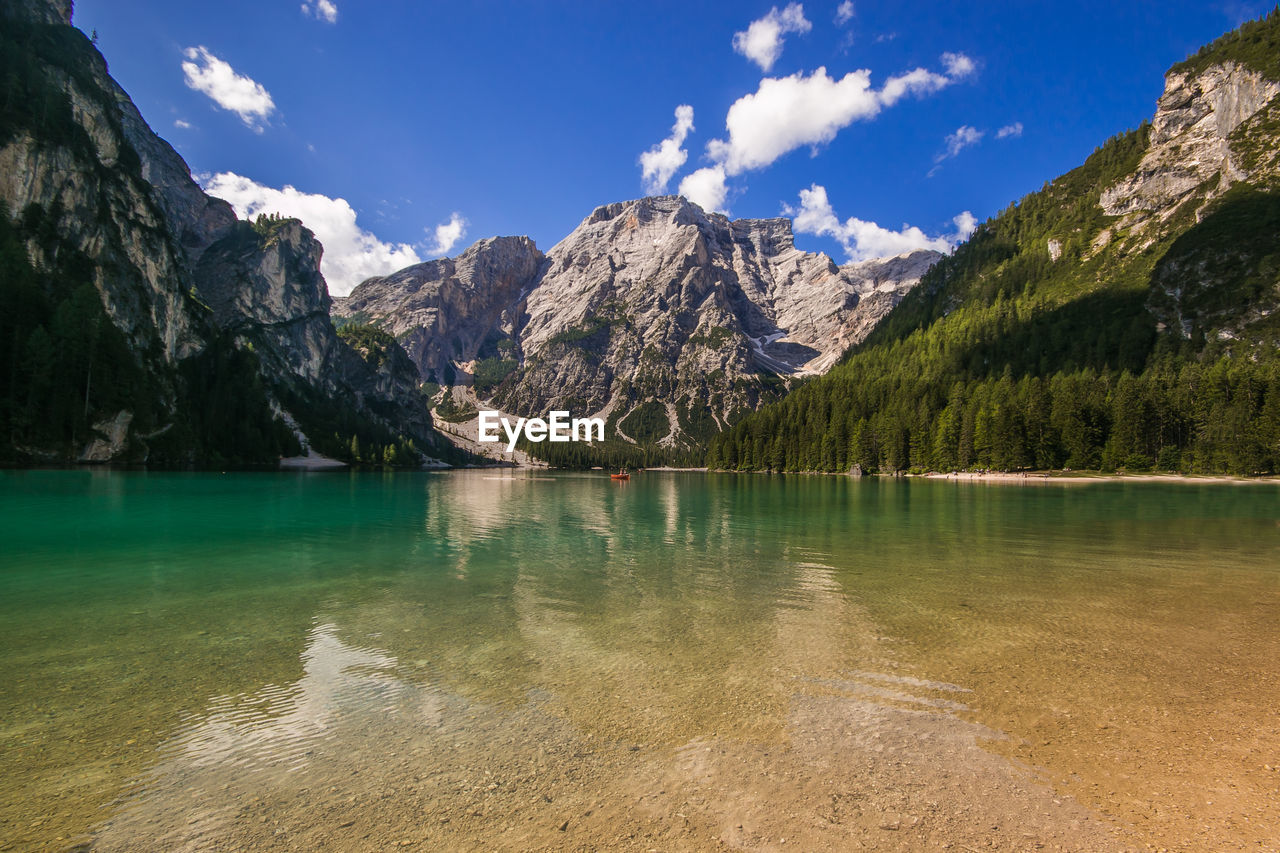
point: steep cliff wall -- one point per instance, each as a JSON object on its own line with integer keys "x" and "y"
{"x": 100, "y": 205}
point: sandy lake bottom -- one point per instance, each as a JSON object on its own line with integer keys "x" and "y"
{"x": 357, "y": 661}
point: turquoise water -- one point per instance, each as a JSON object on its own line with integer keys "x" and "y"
{"x": 352, "y": 660}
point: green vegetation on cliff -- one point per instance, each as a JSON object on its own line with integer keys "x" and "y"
{"x": 373, "y": 344}
{"x": 1255, "y": 44}
{"x": 609, "y": 454}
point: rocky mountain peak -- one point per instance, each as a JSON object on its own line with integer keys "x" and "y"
{"x": 675, "y": 209}
{"x": 452, "y": 311}
{"x": 665, "y": 319}
{"x": 1190, "y": 154}
{"x": 1201, "y": 198}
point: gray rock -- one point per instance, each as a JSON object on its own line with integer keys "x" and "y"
{"x": 177, "y": 272}
{"x": 649, "y": 303}
{"x": 447, "y": 312}
{"x": 114, "y": 437}
{"x": 1211, "y": 131}
{"x": 1190, "y": 148}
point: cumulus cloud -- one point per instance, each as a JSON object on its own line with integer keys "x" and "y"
{"x": 787, "y": 113}
{"x": 966, "y": 223}
{"x": 706, "y": 188}
{"x": 1009, "y": 130}
{"x": 863, "y": 240}
{"x": 919, "y": 81}
{"x": 844, "y": 13}
{"x": 663, "y": 160}
{"x": 181, "y": 124}
{"x": 321, "y": 10}
{"x": 234, "y": 92}
{"x": 447, "y": 234}
{"x": 351, "y": 254}
{"x": 790, "y": 112}
{"x": 762, "y": 40}
{"x": 958, "y": 65}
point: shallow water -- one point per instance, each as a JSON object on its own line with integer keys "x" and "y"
{"x": 476, "y": 660}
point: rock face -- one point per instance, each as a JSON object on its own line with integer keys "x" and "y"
{"x": 448, "y": 312}
{"x": 270, "y": 287}
{"x": 43, "y": 11}
{"x": 1206, "y": 187}
{"x": 177, "y": 273}
{"x": 1191, "y": 150}
{"x": 665, "y": 320}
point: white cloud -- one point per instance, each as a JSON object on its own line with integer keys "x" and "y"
{"x": 787, "y": 113}
{"x": 321, "y": 10}
{"x": 964, "y": 137}
{"x": 966, "y": 223}
{"x": 790, "y": 112}
{"x": 663, "y": 160}
{"x": 844, "y": 13}
{"x": 207, "y": 73}
{"x": 958, "y": 65}
{"x": 1009, "y": 130}
{"x": 448, "y": 234}
{"x": 919, "y": 82}
{"x": 762, "y": 41}
{"x": 351, "y": 254}
{"x": 863, "y": 240}
{"x": 706, "y": 188}
{"x": 181, "y": 124}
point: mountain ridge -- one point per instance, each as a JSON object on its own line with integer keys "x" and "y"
{"x": 668, "y": 322}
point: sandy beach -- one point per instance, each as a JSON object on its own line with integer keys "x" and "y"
{"x": 1085, "y": 477}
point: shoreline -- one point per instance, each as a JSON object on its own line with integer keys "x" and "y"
{"x": 1012, "y": 477}
{"x": 316, "y": 462}
{"x": 1087, "y": 477}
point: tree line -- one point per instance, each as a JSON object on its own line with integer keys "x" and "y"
{"x": 1219, "y": 417}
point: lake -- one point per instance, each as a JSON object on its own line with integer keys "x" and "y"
{"x": 499, "y": 660}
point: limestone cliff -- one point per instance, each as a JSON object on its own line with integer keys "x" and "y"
{"x": 206, "y": 307}
{"x": 1204, "y": 196}
{"x": 449, "y": 312}
{"x": 672, "y": 323}
{"x": 1191, "y": 155}
{"x": 667, "y": 321}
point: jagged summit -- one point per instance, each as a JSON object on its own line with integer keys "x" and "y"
{"x": 668, "y": 321}
{"x": 452, "y": 311}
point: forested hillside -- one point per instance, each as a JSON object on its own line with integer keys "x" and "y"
{"x": 1122, "y": 317}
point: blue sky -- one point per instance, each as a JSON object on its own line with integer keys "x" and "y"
{"x": 407, "y": 128}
